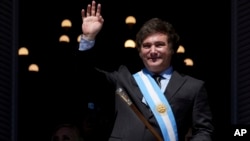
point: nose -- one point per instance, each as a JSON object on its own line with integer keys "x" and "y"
{"x": 153, "y": 49}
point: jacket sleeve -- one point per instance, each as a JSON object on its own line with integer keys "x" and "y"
{"x": 202, "y": 127}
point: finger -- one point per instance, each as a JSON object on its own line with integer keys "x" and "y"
{"x": 98, "y": 11}
{"x": 83, "y": 13}
{"x": 88, "y": 10}
{"x": 101, "y": 19}
{"x": 93, "y": 8}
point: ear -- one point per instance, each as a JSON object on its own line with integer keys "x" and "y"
{"x": 139, "y": 52}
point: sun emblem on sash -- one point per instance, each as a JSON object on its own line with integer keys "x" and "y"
{"x": 161, "y": 108}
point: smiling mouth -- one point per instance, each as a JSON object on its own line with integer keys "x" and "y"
{"x": 154, "y": 59}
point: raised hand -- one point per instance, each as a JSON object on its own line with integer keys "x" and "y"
{"x": 91, "y": 22}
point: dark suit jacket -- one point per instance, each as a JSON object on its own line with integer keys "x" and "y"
{"x": 186, "y": 95}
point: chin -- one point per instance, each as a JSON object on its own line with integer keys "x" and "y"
{"x": 154, "y": 67}
{"x": 154, "y": 64}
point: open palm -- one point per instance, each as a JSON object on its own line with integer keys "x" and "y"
{"x": 92, "y": 22}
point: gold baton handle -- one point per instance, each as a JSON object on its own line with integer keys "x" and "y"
{"x": 125, "y": 97}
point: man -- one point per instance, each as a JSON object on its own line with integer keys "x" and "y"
{"x": 66, "y": 132}
{"x": 172, "y": 107}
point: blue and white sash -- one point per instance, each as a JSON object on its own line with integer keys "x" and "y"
{"x": 158, "y": 104}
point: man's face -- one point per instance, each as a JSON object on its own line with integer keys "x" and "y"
{"x": 65, "y": 134}
{"x": 156, "y": 52}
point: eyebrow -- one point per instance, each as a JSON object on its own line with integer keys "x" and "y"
{"x": 156, "y": 42}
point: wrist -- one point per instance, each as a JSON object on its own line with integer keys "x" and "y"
{"x": 88, "y": 37}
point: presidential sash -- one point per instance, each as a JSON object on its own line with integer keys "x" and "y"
{"x": 158, "y": 104}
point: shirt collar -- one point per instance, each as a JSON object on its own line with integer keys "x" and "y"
{"x": 166, "y": 74}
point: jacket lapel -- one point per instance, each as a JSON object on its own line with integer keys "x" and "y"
{"x": 175, "y": 82}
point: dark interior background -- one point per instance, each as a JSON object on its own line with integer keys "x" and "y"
{"x": 58, "y": 93}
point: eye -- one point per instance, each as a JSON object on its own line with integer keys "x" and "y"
{"x": 159, "y": 44}
{"x": 146, "y": 45}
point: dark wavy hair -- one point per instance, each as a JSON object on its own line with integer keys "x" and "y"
{"x": 156, "y": 25}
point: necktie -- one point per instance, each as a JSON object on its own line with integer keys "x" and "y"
{"x": 157, "y": 78}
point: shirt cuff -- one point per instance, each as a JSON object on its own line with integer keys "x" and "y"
{"x": 86, "y": 44}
